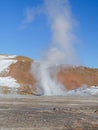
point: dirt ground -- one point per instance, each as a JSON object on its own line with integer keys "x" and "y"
{"x": 49, "y": 113}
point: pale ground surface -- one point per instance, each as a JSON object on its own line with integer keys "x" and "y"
{"x": 49, "y": 113}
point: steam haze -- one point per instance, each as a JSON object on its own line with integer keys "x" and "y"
{"x": 61, "y": 49}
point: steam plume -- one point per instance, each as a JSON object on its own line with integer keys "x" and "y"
{"x": 61, "y": 49}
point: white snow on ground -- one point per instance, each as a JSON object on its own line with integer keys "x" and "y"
{"x": 7, "y": 56}
{"x": 93, "y": 90}
{"x": 9, "y": 82}
{"x": 5, "y": 62}
{"x": 84, "y": 91}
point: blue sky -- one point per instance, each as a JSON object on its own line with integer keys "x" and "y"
{"x": 30, "y": 38}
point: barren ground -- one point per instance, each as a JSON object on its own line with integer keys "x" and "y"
{"x": 49, "y": 113}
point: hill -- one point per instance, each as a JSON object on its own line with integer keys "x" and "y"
{"x": 16, "y": 76}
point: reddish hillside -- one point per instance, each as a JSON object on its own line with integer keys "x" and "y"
{"x": 17, "y": 68}
{"x": 74, "y": 77}
{"x": 16, "y": 77}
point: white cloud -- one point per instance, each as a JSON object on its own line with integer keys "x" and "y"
{"x": 29, "y": 15}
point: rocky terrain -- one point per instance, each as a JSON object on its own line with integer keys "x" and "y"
{"x": 16, "y": 76}
{"x": 49, "y": 113}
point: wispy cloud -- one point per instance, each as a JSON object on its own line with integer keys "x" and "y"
{"x": 29, "y": 15}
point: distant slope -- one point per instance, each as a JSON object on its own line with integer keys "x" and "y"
{"x": 74, "y": 77}
{"x": 16, "y": 76}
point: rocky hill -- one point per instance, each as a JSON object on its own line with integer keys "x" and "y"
{"x": 16, "y": 76}
{"x": 74, "y": 77}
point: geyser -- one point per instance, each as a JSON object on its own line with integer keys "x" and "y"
{"x": 46, "y": 84}
{"x": 61, "y": 50}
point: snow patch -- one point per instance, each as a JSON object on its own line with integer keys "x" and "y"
{"x": 9, "y": 82}
{"x": 7, "y": 56}
{"x": 6, "y": 61}
{"x": 84, "y": 91}
{"x": 4, "y": 64}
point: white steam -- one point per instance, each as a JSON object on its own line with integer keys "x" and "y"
{"x": 61, "y": 21}
{"x": 61, "y": 49}
{"x": 47, "y": 85}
